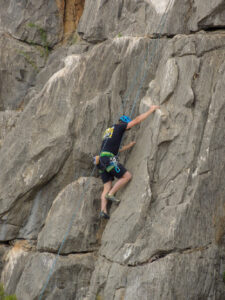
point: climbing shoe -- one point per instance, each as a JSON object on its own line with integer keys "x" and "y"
{"x": 112, "y": 198}
{"x": 103, "y": 215}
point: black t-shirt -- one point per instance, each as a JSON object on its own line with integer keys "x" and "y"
{"x": 112, "y": 138}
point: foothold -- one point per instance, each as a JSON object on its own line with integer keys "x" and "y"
{"x": 164, "y": 114}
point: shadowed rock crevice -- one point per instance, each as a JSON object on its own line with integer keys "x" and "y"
{"x": 94, "y": 252}
{"x": 160, "y": 254}
{"x": 207, "y": 22}
{"x": 70, "y": 12}
{"x": 163, "y": 253}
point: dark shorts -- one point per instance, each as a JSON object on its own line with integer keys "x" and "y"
{"x": 109, "y": 176}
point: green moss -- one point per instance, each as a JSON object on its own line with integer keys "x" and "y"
{"x": 76, "y": 38}
{"x": 3, "y": 296}
{"x": 224, "y": 276}
{"x": 44, "y": 38}
{"x": 29, "y": 60}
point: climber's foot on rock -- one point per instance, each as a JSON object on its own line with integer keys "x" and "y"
{"x": 112, "y": 198}
{"x": 103, "y": 215}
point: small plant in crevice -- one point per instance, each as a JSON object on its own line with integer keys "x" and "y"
{"x": 43, "y": 49}
{"x": 71, "y": 38}
{"x": 43, "y": 36}
{"x": 3, "y": 296}
{"x": 76, "y": 38}
{"x": 119, "y": 35}
{"x": 29, "y": 60}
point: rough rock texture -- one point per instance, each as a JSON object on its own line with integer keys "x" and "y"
{"x": 191, "y": 270}
{"x": 28, "y": 165}
{"x": 79, "y": 204}
{"x": 145, "y": 17}
{"x": 26, "y": 272}
{"x": 166, "y": 239}
{"x": 3, "y": 251}
{"x": 28, "y": 20}
{"x": 51, "y": 111}
{"x": 192, "y": 110}
{"x": 8, "y": 121}
{"x": 19, "y": 65}
{"x": 70, "y": 279}
{"x": 73, "y": 10}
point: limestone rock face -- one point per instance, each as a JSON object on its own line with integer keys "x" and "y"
{"x": 80, "y": 205}
{"x": 26, "y": 272}
{"x": 8, "y": 121}
{"x": 70, "y": 279}
{"x": 159, "y": 278}
{"x": 31, "y": 20}
{"x": 166, "y": 239}
{"x": 159, "y": 204}
{"x": 145, "y": 17}
{"x": 20, "y": 64}
{"x": 27, "y": 166}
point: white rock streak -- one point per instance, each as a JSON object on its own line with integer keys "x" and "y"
{"x": 161, "y": 5}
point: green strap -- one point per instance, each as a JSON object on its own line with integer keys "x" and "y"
{"x": 104, "y": 153}
{"x": 109, "y": 154}
{"x": 109, "y": 168}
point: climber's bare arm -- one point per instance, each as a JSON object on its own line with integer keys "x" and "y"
{"x": 142, "y": 117}
{"x": 124, "y": 148}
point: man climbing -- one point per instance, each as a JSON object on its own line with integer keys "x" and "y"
{"x": 107, "y": 162}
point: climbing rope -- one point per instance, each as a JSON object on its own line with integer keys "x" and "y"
{"x": 66, "y": 235}
{"x": 160, "y": 27}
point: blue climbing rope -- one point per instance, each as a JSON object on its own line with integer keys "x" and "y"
{"x": 65, "y": 236}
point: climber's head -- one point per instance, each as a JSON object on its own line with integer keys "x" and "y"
{"x": 124, "y": 119}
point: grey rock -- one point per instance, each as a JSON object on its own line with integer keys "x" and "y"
{"x": 167, "y": 236}
{"x": 139, "y": 18}
{"x": 25, "y": 274}
{"x": 191, "y": 271}
{"x": 38, "y": 212}
{"x": 14, "y": 263}
{"x": 19, "y": 66}
{"x": 30, "y": 21}
{"x": 53, "y": 108}
{"x": 156, "y": 206}
{"x": 3, "y": 250}
{"x": 8, "y": 121}
{"x": 76, "y": 207}
{"x": 207, "y": 14}
{"x": 28, "y": 165}
{"x": 133, "y": 18}
{"x": 170, "y": 80}
{"x": 189, "y": 274}
{"x": 79, "y": 48}
{"x": 54, "y": 62}
{"x": 7, "y": 231}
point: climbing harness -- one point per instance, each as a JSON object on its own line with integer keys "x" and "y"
{"x": 113, "y": 162}
{"x": 95, "y": 160}
{"x": 161, "y": 25}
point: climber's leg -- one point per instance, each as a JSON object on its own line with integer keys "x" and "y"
{"x": 119, "y": 184}
{"x": 106, "y": 189}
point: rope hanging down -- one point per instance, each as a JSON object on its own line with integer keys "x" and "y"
{"x": 160, "y": 27}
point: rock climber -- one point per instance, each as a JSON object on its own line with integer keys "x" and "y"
{"x": 107, "y": 162}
